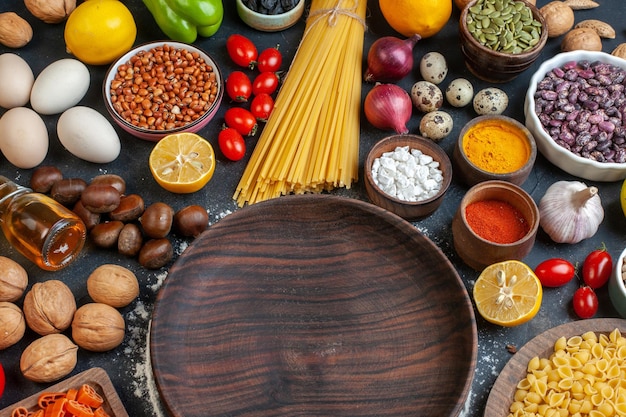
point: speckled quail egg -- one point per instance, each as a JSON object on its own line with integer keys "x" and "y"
{"x": 460, "y": 92}
{"x": 426, "y": 96}
{"x": 490, "y": 100}
{"x": 436, "y": 125}
{"x": 433, "y": 67}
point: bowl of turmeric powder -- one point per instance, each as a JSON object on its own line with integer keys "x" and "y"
{"x": 494, "y": 147}
{"x": 496, "y": 221}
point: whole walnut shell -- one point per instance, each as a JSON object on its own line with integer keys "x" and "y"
{"x": 584, "y": 39}
{"x": 49, "y": 307}
{"x": 50, "y": 11}
{"x": 113, "y": 285}
{"x": 15, "y": 31}
{"x": 13, "y": 279}
{"x": 98, "y": 327}
{"x": 49, "y": 358}
{"x": 559, "y": 18}
{"x": 12, "y": 324}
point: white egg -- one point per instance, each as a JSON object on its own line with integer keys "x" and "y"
{"x": 60, "y": 85}
{"x": 23, "y": 137}
{"x": 88, "y": 135}
{"x": 16, "y": 81}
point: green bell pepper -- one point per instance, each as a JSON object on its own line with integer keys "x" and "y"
{"x": 184, "y": 20}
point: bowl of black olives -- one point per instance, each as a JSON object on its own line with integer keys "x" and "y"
{"x": 270, "y": 15}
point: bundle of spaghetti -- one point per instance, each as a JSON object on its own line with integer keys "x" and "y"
{"x": 310, "y": 142}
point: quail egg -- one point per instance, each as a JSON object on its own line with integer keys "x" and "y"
{"x": 433, "y": 67}
{"x": 426, "y": 96}
{"x": 436, "y": 125}
{"x": 490, "y": 100}
{"x": 460, "y": 92}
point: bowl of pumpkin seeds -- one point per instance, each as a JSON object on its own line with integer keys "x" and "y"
{"x": 500, "y": 39}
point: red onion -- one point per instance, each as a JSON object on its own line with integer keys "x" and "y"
{"x": 390, "y": 59}
{"x": 388, "y": 106}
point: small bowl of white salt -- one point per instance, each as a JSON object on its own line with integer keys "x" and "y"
{"x": 407, "y": 175}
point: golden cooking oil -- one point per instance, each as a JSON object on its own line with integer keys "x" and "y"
{"x": 39, "y": 227}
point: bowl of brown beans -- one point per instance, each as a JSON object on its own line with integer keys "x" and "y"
{"x": 576, "y": 108}
{"x": 500, "y": 39}
{"x": 161, "y": 88}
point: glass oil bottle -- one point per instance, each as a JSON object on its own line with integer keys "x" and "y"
{"x": 40, "y": 228}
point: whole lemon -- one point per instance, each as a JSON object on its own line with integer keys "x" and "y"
{"x": 100, "y": 31}
{"x": 422, "y": 17}
{"x": 622, "y": 197}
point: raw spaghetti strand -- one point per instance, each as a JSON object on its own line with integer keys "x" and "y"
{"x": 311, "y": 141}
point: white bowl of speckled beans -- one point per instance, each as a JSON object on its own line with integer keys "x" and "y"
{"x": 161, "y": 88}
{"x": 576, "y": 110}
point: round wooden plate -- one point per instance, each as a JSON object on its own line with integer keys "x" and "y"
{"x": 501, "y": 394}
{"x": 313, "y": 305}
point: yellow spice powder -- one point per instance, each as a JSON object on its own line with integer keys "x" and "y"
{"x": 496, "y": 146}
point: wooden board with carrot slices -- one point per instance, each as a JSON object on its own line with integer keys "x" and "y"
{"x": 87, "y": 394}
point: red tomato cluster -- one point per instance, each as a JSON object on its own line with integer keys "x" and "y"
{"x": 596, "y": 271}
{"x": 240, "y": 89}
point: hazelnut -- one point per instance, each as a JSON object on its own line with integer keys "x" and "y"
{"x": 49, "y": 358}
{"x": 50, "y": 11}
{"x": 559, "y": 18}
{"x": 12, "y": 324}
{"x": 49, "y": 307}
{"x": 13, "y": 279}
{"x": 98, "y": 327}
{"x": 113, "y": 285}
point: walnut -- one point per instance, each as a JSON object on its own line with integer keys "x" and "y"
{"x": 49, "y": 307}
{"x": 98, "y": 327}
{"x": 13, "y": 279}
{"x": 12, "y": 324}
{"x": 51, "y": 11}
{"x": 113, "y": 285}
{"x": 585, "y": 39}
{"x": 49, "y": 358}
{"x": 559, "y": 18}
{"x": 15, "y": 32}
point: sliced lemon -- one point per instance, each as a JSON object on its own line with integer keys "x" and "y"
{"x": 182, "y": 162}
{"x": 508, "y": 293}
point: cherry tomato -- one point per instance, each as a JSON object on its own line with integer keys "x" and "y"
{"x": 241, "y": 50}
{"x": 1, "y": 380}
{"x": 555, "y": 272}
{"x": 597, "y": 268}
{"x": 262, "y": 106}
{"x": 231, "y": 144}
{"x": 585, "y": 302}
{"x": 270, "y": 59}
{"x": 265, "y": 82}
{"x": 238, "y": 86}
{"x": 241, "y": 120}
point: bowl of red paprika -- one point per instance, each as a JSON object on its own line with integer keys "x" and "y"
{"x": 495, "y": 221}
{"x": 494, "y": 147}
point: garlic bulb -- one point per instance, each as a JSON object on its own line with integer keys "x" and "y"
{"x": 570, "y": 211}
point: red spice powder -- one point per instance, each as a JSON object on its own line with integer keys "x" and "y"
{"x": 496, "y": 221}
